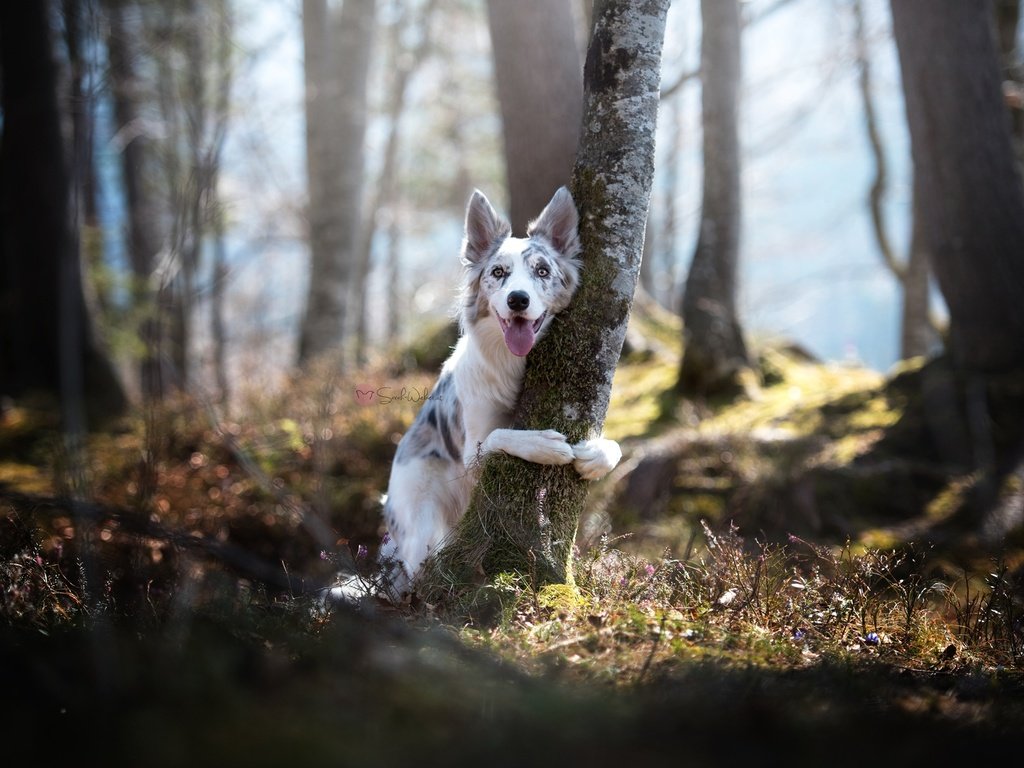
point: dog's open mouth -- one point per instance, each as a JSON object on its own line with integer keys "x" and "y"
{"x": 520, "y": 333}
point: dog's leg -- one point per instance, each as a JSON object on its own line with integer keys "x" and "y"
{"x": 594, "y": 459}
{"x": 425, "y": 499}
{"x": 541, "y": 446}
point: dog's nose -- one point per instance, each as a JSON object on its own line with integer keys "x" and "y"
{"x": 518, "y": 301}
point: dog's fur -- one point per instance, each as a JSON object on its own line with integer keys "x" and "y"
{"x": 513, "y": 288}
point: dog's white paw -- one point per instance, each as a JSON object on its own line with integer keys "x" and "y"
{"x": 594, "y": 459}
{"x": 541, "y": 446}
{"x": 549, "y": 446}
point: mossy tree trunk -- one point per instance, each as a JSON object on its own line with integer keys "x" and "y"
{"x": 523, "y": 516}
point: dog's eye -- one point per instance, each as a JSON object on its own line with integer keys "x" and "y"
{"x": 498, "y": 272}
{"x": 543, "y": 271}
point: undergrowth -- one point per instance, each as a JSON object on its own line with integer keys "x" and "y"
{"x": 180, "y": 508}
{"x": 181, "y": 557}
{"x": 751, "y": 603}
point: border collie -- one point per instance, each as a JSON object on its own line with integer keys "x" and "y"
{"x": 512, "y": 289}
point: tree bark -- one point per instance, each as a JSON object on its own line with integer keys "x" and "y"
{"x": 337, "y": 63}
{"x": 1007, "y": 23}
{"x": 523, "y": 516}
{"x": 404, "y": 62}
{"x": 971, "y": 197}
{"x": 714, "y": 351}
{"x": 47, "y": 345}
{"x": 79, "y": 35}
{"x": 918, "y": 333}
{"x": 214, "y": 210}
{"x": 1007, "y": 14}
{"x": 540, "y": 91}
{"x": 667, "y": 274}
{"x": 137, "y": 165}
{"x": 912, "y": 274}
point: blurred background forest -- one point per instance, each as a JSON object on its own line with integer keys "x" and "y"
{"x": 258, "y": 207}
{"x": 201, "y": 138}
{"x": 228, "y": 263}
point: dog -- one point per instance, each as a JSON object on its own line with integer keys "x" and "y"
{"x": 513, "y": 288}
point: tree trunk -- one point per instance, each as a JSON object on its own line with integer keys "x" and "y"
{"x": 647, "y": 258}
{"x": 404, "y": 64}
{"x": 46, "y": 341}
{"x": 337, "y": 63}
{"x": 540, "y": 90}
{"x": 917, "y": 333}
{"x": 714, "y": 352}
{"x": 523, "y": 516}
{"x": 1007, "y": 23}
{"x": 214, "y": 212}
{"x": 138, "y": 163}
{"x": 912, "y": 274}
{"x": 396, "y": 299}
{"x": 666, "y": 276}
{"x": 170, "y": 315}
{"x": 79, "y": 29}
{"x": 971, "y": 197}
{"x": 193, "y": 187}
{"x": 1007, "y": 13}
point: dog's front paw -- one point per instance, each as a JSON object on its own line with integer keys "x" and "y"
{"x": 550, "y": 447}
{"x": 541, "y": 446}
{"x": 594, "y": 459}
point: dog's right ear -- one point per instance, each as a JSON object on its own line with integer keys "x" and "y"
{"x": 484, "y": 227}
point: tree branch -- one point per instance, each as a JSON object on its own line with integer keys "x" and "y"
{"x": 880, "y": 182}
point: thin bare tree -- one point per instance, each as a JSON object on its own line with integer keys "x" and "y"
{"x": 405, "y": 60}
{"x": 917, "y": 333}
{"x": 133, "y": 139}
{"x": 337, "y": 50}
{"x": 714, "y": 350}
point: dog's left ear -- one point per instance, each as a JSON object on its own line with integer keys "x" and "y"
{"x": 558, "y": 223}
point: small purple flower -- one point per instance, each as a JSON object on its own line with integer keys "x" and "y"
{"x": 799, "y": 634}
{"x": 649, "y": 570}
{"x": 324, "y": 555}
{"x": 385, "y": 538}
{"x": 872, "y": 638}
{"x": 361, "y": 552}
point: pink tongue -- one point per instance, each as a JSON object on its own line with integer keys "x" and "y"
{"x": 519, "y": 336}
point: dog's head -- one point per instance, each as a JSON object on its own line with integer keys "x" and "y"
{"x": 519, "y": 283}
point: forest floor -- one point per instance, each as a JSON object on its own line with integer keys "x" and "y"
{"x": 812, "y": 573}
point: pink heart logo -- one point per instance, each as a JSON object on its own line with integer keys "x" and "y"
{"x": 364, "y": 396}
